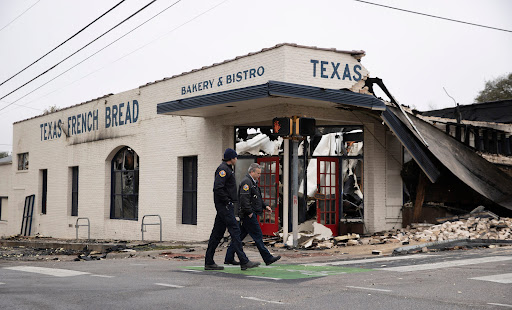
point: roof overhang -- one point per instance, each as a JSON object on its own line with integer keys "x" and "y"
{"x": 262, "y": 95}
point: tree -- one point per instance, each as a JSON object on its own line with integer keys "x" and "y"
{"x": 497, "y": 89}
{"x": 3, "y": 154}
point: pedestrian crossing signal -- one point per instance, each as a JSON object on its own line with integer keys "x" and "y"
{"x": 282, "y": 126}
{"x": 307, "y": 126}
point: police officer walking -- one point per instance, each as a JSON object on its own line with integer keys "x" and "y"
{"x": 225, "y": 196}
{"x": 251, "y": 204}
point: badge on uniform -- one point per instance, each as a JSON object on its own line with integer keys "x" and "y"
{"x": 222, "y": 173}
{"x": 245, "y": 187}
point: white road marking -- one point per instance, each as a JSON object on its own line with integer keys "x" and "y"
{"x": 48, "y": 271}
{"x": 369, "y": 260}
{"x": 259, "y": 299}
{"x": 503, "y": 305}
{"x": 169, "y": 285}
{"x": 505, "y": 278}
{"x": 263, "y": 277}
{"x": 101, "y": 276}
{"x": 371, "y": 289}
{"x": 453, "y": 263}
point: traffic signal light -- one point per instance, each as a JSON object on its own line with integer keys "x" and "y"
{"x": 282, "y": 126}
{"x": 307, "y": 126}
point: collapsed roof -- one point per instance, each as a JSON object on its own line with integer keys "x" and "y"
{"x": 496, "y": 111}
{"x": 478, "y": 173}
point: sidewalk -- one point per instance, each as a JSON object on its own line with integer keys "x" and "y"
{"x": 22, "y": 248}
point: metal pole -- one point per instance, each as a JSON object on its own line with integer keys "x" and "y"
{"x": 295, "y": 190}
{"x": 286, "y": 189}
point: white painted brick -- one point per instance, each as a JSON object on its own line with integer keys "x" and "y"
{"x": 160, "y": 141}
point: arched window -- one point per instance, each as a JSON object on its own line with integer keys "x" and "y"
{"x": 124, "y": 203}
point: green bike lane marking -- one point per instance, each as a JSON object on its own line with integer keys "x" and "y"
{"x": 284, "y": 272}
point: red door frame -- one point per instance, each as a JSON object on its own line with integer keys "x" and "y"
{"x": 269, "y": 221}
{"x": 327, "y": 202}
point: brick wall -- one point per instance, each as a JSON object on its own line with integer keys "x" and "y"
{"x": 161, "y": 141}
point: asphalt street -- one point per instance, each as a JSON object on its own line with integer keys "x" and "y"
{"x": 473, "y": 279}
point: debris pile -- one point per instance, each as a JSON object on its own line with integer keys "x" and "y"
{"x": 28, "y": 253}
{"x": 90, "y": 255}
{"x": 319, "y": 237}
{"x": 472, "y": 228}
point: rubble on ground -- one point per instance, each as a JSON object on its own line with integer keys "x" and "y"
{"x": 28, "y": 253}
{"x": 469, "y": 227}
{"x": 28, "y": 248}
{"x": 472, "y": 228}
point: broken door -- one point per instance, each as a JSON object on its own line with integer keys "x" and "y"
{"x": 327, "y": 193}
{"x": 269, "y": 185}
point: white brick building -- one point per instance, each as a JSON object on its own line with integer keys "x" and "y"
{"x": 191, "y": 118}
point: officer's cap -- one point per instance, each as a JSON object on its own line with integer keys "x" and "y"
{"x": 230, "y": 154}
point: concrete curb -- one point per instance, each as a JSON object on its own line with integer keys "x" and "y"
{"x": 98, "y": 247}
{"x": 445, "y": 244}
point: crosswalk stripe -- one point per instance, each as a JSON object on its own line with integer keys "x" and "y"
{"x": 101, "y": 276}
{"x": 48, "y": 271}
{"x": 503, "y": 305}
{"x": 505, "y": 278}
{"x": 453, "y": 263}
{"x": 169, "y": 285}
{"x": 369, "y": 260}
{"x": 266, "y": 278}
{"x": 263, "y": 300}
{"x": 369, "y": 288}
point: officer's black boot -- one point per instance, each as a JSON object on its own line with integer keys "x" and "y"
{"x": 273, "y": 259}
{"x": 249, "y": 264}
{"x": 213, "y": 267}
{"x": 234, "y": 262}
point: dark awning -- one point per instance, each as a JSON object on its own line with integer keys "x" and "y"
{"x": 272, "y": 89}
{"x": 478, "y": 173}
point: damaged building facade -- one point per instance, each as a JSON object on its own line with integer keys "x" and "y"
{"x": 148, "y": 154}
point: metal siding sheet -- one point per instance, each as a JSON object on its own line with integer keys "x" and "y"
{"x": 411, "y": 144}
{"x": 472, "y": 169}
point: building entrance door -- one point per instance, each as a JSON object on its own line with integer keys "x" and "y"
{"x": 327, "y": 201}
{"x": 269, "y": 185}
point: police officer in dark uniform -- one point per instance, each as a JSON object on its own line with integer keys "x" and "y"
{"x": 251, "y": 204}
{"x": 225, "y": 196}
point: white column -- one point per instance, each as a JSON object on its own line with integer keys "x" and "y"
{"x": 286, "y": 182}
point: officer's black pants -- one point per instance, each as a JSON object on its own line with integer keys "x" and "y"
{"x": 251, "y": 226}
{"x": 225, "y": 218}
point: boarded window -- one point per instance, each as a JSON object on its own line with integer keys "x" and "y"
{"x": 74, "y": 191}
{"x": 189, "y": 203}
{"x": 23, "y": 161}
{"x": 125, "y": 185}
{"x": 44, "y": 190}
